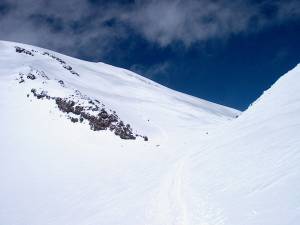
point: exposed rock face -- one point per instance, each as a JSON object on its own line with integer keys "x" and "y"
{"x": 78, "y": 107}
{"x": 97, "y": 118}
{"x": 101, "y": 121}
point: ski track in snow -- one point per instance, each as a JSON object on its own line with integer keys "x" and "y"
{"x": 168, "y": 205}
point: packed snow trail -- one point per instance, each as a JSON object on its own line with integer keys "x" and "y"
{"x": 168, "y": 205}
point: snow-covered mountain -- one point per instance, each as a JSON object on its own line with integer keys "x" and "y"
{"x": 88, "y": 143}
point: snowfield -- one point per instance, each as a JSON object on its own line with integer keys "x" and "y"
{"x": 201, "y": 164}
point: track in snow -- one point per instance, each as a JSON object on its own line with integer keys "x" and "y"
{"x": 168, "y": 205}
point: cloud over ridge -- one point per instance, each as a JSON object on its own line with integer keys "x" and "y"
{"x": 62, "y": 25}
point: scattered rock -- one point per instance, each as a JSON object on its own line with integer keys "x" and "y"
{"x": 61, "y": 83}
{"x": 73, "y": 120}
{"x": 103, "y": 120}
{"x": 94, "y": 112}
{"x": 41, "y": 95}
{"x": 62, "y": 62}
{"x": 23, "y": 50}
{"x": 67, "y": 67}
{"x": 31, "y": 76}
{"x": 75, "y": 73}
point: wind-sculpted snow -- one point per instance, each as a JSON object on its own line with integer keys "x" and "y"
{"x": 201, "y": 164}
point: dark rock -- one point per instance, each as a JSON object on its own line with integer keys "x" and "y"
{"x": 65, "y": 105}
{"x": 95, "y": 108}
{"x": 61, "y": 61}
{"x": 101, "y": 121}
{"x": 78, "y": 110}
{"x": 61, "y": 83}
{"x": 121, "y": 124}
{"x": 23, "y": 50}
{"x": 75, "y": 73}
{"x": 103, "y": 114}
{"x": 39, "y": 95}
{"x": 124, "y": 132}
{"x": 74, "y": 120}
{"x": 86, "y": 116}
{"x": 31, "y": 76}
{"x": 113, "y": 118}
{"x": 112, "y": 127}
{"x": 67, "y": 67}
{"x": 98, "y": 123}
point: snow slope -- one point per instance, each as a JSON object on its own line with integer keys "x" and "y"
{"x": 252, "y": 174}
{"x": 200, "y": 165}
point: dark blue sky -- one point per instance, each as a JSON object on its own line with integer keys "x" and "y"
{"x": 223, "y": 51}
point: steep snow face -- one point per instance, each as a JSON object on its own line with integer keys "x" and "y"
{"x": 251, "y": 174}
{"x": 199, "y": 166}
{"x": 142, "y": 103}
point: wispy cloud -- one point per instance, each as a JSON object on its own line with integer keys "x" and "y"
{"x": 74, "y": 26}
{"x": 69, "y": 26}
{"x": 159, "y": 69}
{"x": 190, "y": 21}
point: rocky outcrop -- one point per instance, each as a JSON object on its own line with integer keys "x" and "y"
{"x": 93, "y": 113}
{"x": 62, "y": 62}
{"x": 78, "y": 107}
{"x": 24, "y": 51}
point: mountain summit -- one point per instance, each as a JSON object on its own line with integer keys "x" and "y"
{"x": 89, "y": 143}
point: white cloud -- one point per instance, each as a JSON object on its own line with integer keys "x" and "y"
{"x": 190, "y": 21}
{"x": 152, "y": 71}
{"x": 84, "y": 26}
